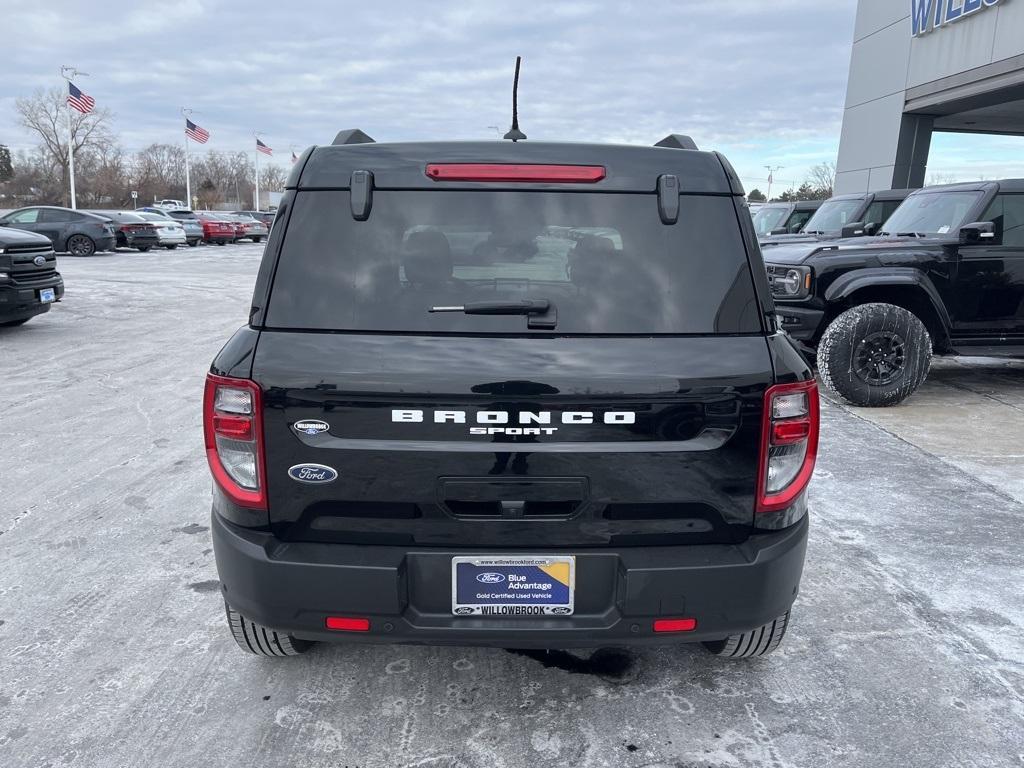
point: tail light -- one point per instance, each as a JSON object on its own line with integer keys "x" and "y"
{"x": 789, "y": 444}
{"x": 233, "y": 427}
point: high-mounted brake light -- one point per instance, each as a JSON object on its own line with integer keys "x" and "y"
{"x": 565, "y": 174}
{"x": 789, "y": 444}
{"x": 233, "y": 429}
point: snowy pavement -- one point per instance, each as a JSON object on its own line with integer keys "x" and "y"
{"x": 906, "y": 647}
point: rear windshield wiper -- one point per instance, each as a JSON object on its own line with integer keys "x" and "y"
{"x": 541, "y": 312}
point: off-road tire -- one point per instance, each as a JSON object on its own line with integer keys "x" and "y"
{"x": 80, "y": 245}
{"x": 874, "y": 355}
{"x": 262, "y": 641}
{"x": 756, "y": 642}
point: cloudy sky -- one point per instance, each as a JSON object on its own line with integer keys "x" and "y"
{"x": 763, "y": 82}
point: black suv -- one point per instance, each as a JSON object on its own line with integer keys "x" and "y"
{"x": 784, "y": 218}
{"x": 29, "y": 280}
{"x": 845, "y": 216}
{"x": 513, "y": 395}
{"x": 946, "y": 274}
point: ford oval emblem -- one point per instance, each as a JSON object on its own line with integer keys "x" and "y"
{"x": 490, "y": 578}
{"x": 560, "y": 610}
{"x": 315, "y": 474}
{"x": 311, "y": 426}
{"x": 39, "y": 261}
{"x": 463, "y": 611}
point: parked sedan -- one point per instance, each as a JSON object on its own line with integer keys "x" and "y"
{"x": 170, "y": 232}
{"x": 267, "y": 217}
{"x": 132, "y": 230}
{"x": 76, "y": 232}
{"x": 255, "y": 229}
{"x": 193, "y": 226}
{"x": 216, "y": 229}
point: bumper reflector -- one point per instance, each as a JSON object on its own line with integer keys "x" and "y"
{"x": 346, "y": 624}
{"x": 675, "y": 625}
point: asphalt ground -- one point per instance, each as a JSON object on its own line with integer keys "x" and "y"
{"x": 906, "y": 646}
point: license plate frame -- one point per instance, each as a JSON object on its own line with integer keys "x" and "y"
{"x": 482, "y": 586}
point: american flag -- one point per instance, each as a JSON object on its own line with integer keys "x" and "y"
{"x": 196, "y": 133}
{"x": 78, "y": 100}
{"x": 261, "y": 147}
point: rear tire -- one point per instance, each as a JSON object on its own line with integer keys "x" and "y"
{"x": 193, "y": 243}
{"x": 171, "y": 247}
{"x": 80, "y": 245}
{"x": 756, "y": 642}
{"x": 257, "y": 239}
{"x": 875, "y": 355}
{"x": 262, "y": 641}
{"x": 142, "y": 248}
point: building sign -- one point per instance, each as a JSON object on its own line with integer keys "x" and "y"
{"x": 928, "y": 15}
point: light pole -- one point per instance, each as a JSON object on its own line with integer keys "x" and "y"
{"x": 771, "y": 174}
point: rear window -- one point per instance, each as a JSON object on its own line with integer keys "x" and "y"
{"x": 605, "y": 261}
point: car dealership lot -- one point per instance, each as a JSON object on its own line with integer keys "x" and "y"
{"x": 907, "y": 645}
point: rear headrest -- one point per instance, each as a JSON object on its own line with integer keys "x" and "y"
{"x": 591, "y": 259}
{"x": 428, "y": 258}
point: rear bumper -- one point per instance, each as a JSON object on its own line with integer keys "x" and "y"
{"x": 406, "y": 592}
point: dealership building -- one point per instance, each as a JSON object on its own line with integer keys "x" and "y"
{"x": 920, "y": 66}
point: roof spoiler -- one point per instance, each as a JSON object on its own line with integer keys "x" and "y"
{"x": 352, "y": 136}
{"x": 674, "y": 141}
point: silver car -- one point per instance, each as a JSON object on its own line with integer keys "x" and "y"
{"x": 255, "y": 229}
{"x": 170, "y": 233}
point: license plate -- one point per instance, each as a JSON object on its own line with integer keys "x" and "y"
{"x": 46, "y": 295}
{"x": 513, "y": 586}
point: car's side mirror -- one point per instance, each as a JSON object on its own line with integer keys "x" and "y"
{"x": 779, "y": 231}
{"x": 978, "y": 232}
{"x": 854, "y": 229}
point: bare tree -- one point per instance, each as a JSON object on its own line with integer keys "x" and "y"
{"x": 822, "y": 178}
{"x": 272, "y": 178}
{"x": 45, "y": 114}
{"x": 935, "y": 179}
{"x": 159, "y": 172}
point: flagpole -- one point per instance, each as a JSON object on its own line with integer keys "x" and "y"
{"x": 71, "y": 160}
{"x": 67, "y": 73}
{"x": 188, "y": 182}
{"x": 256, "y": 191}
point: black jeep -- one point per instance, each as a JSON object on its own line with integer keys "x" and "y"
{"x": 29, "y": 280}
{"x": 946, "y": 274}
{"x": 514, "y": 395}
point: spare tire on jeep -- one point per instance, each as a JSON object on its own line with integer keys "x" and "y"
{"x": 874, "y": 354}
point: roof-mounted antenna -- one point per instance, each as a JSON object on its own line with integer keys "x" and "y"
{"x": 514, "y": 133}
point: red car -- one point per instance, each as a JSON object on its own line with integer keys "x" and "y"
{"x": 215, "y": 229}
